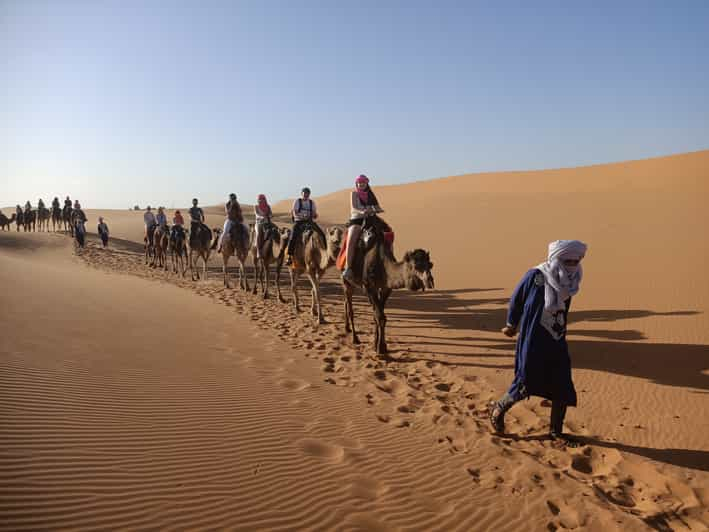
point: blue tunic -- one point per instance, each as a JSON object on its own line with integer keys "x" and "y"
{"x": 542, "y": 363}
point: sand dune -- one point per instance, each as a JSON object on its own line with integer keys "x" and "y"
{"x": 131, "y": 398}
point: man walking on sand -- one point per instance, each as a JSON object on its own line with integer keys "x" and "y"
{"x": 538, "y": 310}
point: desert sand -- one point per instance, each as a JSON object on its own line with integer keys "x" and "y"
{"x": 133, "y": 399}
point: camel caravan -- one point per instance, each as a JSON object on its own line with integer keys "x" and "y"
{"x": 362, "y": 251}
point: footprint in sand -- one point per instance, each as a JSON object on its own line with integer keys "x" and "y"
{"x": 294, "y": 384}
{"x": 322, "y": 450}
{"x": 367, "y": 488}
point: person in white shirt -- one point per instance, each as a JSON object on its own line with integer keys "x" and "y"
{"x": 263, "y": 213}
{"x": 150, "y": 224}
{"x": 304, "y": 213}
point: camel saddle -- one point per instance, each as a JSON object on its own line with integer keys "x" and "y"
{"x": 237, "y": 233}
{"x": 371, "y": 233}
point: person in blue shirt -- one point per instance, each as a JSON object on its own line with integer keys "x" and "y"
{"x": 538, "y": 310}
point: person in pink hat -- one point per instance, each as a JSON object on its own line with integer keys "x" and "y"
{"x": 363, "y": 203}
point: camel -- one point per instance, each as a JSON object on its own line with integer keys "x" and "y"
{"x": 235, "y": 243}
{"x": 275, "y": 243}
{"x": 19, "y": 219}
{"x": 312, "y": 256}
{"x": 149, "y": 245}
{"x": 378, "y": 273}
{"x": 56, "y": 218}
{"x": 30, "y": 219}
{"x": 201, "y": 244}
{"x": 6, "y": 222}
{"x": 43, "y": 216}
{"x": 178, "y": 252}
{"x": 66, "y": 218}
{"x": 160, "y": 242}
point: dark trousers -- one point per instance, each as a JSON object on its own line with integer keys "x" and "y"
{"x": 297, "y": 232}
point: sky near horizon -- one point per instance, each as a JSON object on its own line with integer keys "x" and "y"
{"x": 125, "y": 102}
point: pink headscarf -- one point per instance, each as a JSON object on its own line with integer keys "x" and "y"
{"x": 262, "y": 203}
{"x": 363, "y": 194}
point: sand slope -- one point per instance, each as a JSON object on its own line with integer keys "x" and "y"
{"x": 271, "y": 423}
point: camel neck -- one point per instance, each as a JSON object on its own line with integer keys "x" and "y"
{"x": 396, "y": 271}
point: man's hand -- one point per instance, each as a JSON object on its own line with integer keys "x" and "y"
{"x": 509, "y": 330}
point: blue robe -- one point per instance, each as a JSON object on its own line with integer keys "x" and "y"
{"x": 542, "y": 363}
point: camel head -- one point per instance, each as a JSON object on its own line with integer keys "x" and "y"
{"x": 419, "y": 264}
{"x": 334, "y": 240}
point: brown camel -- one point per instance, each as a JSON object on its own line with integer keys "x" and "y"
{"x": 201, "y": 246}
{"x": 312, "y": 256}
{"x": 149, "y": 245}
{"x": 378, "y": 273}
{"x": 56, "y": 218}
{"x": 66, "y": 218}
{"x": 160, "y": 242}
{"x": 273, "y": 248}
{"x": 236, "y": 243}
{"x": 19, "y": 218}
{"x": 6, "y": 222}
{"x": 43, "y": 216}
{"x": 30, "y": 220}
{"x": 178, "y": 251}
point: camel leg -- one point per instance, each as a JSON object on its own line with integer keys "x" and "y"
{"x": 294, "y": 288}
{"x": 225, "y": 261}
{"x": 242, "y": 269}
{"x": 256, "y": 272}
{"x": 380, "y": 321}
{"x": 349, "y": 313}
{"x": 279, "y": 263}
{"x": 265, "y": 277}
{"x": 315, "y": 305}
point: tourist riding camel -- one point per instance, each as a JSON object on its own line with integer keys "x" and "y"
{"x": 29, "y": 217}
{"x": 234, "y": 240}
{"x": 178, "y": 245}
{"x": 19, "y": 217}
{"x": 149, "y": 237}
{"x": 7, "y": 222}
{"x": 271, "y": 250}
{"x": 66, "y": 215}
{"x": 304, "y": 213}
{"x": 56, "y": 214}
{"x": 178, "y": 224}
{"x": 79, "y": 220}
{"x": 263, "y": 214}
{"x": 43, "y": 216}
{"x": 370, "y": 264}
{"x": 197, "y": 222}
{"x": 161, "y": 217}
{"x": 313, "y": 255}
{"x": 363, "y": 202}
{"x": 234, "y": 222}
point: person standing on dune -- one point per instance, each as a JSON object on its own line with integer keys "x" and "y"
{"x": 103, "y": 231}
{"x": 538, "y": 310}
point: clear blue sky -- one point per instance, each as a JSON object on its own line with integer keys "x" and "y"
{"x": 124, "y": 102}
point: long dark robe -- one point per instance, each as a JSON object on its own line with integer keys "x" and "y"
{"x": 542, "y": 362}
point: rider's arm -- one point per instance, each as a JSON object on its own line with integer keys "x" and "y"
{"x": 313, "y": 210}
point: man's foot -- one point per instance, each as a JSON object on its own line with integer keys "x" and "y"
{"x": 289, "y": 261}
{"x": 348, "y": 275}
{"x": 565, "y": 439}
{"x": 219, "y": 249}
{"x": 497, "y": 418}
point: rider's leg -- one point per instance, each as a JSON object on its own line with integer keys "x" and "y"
{"x": 259, "y": 241}
{"x": 227, "y": 229}
{"x": 352, "y": 238}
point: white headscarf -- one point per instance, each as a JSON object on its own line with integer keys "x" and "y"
{"x": 561, "y": 282}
